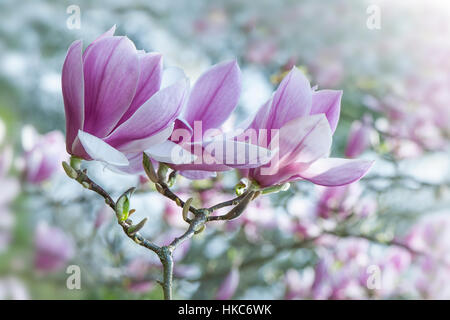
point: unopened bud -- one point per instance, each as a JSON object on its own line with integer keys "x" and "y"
{"x": 186, "y": 208}
{"x": 162, "y": 171}
{"x": 149, "y": 169}
{"x": 240, "y": 208}
{"x": 133, "y": 229}
{"x": 71, "y": 172}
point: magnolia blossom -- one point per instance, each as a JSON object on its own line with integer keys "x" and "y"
{"x": 345, "y": 265}
{"x": 43, "y": 154}
{"x": 343, "y": 201}
{"x": 114, "y": 102}
{"x": 198, "y": 147}
{"x": 327, "y": 67}
{"x": 53, "y": 248}
{"x": 299, "y": 124}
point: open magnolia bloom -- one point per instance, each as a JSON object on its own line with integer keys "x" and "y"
{"x": 114, "y": 104}
{"x": 299, "y": 123}
{"x": 198, "y": 148}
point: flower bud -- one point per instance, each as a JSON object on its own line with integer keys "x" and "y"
{"x": 149, "y": 169}
{"x": 240, "y": 208}
{"x": 71, "y": 172}
{"x": 123, "y": 205}
{"x": 133, "y": 229}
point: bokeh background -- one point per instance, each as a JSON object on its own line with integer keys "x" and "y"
{"x": 305, "y": 243}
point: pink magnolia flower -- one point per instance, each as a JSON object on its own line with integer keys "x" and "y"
{"x": 53, "y": 248}
{"x": 43, "y": 154}
{"x": 197, "y": 138}
{"x": 299, "y": 124}
{"x": 338, "y": 201}
{"x": 328, "y": 68}
{"x": 359, "y": 138}
{"x": 115, "y": 106}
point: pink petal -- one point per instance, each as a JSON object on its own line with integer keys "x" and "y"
{"x": 73, "y": 92}
{"x": 328, "y": 102}
{"x": 99, "y": 150}
{"x": 332, "y": 172}
{"x": 172, "y": 75}
{"x": 107, "y": 34}
{"x": 222, "y": 154}
{"x": 191, "y": 166}
{"x": 262, "y": 116}
{"x": 215, "y": 95}
{"x": 150, "y": 65}
{"x": 139, "y": 145}
{"x": 183, "y": 125}
{"x": 154, "y": 116}
{"x": 291, "y": 100}
{"x": 197, "y": 175}
{"x": 229, "y": 286}
{"x": 305, "y": 139}
{"x": 301, "y": 141}
{"x": 111, "y": 73}
{"x": 358, "y": 140}
{"x": 134, "y": 166}
{"x": 170, "y": 152}
{"x": 236, "y": 154}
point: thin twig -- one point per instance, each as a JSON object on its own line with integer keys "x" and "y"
{"x": 84, "y": 180}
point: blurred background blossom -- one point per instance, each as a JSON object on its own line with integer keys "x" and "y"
{"x": 305, "y": 243}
